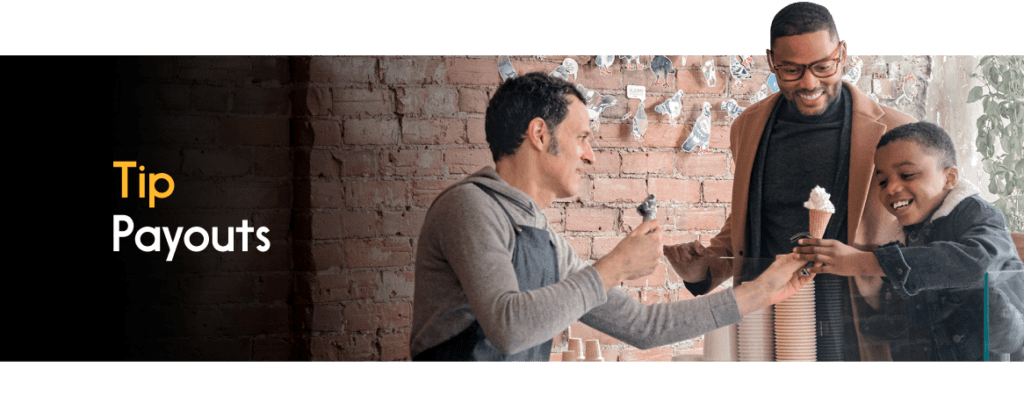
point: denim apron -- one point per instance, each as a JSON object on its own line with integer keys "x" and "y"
{"x": 536, "y": 265}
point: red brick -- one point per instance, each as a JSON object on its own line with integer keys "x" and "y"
{"x": 693, "y": 164}
{"x": 529, "y": 66}
{"x": 254, "y": 131}
{"x": 631, "y": 219}
{"x": 665, "y": 135}
{"x": 396, "y": 285}
{"x": 327, "y": 318}
{"x": 360, "y": 224}
{"x": 700, "y": 219}
{"x": 349, "y": 347}
{"x": 692, "y": 81}
{"x": 427, "y": 100}
{"x": 390, "y": 193}
{"x": 677, "y": 238}
{"x": 476, "y": 131}
{"x": 235, "y": 194}
{"x": 236, "y": 321}
{"x": 556, "y": 217}
{"x": 262, "y": 100}
{"x": 590, "y": 75}
{"x": 377, "y": 316}
{"x": 657, "y": 162}
{"x": 718, "y": 191}
{"x": 655, "y": 279}
{"x": 325, "y": 255}
{"x": 394, "y": 347}
{"x": 425, "y": 191}
{"x": 630, "y": 190}
{"x": 467, "y": 161}
{"x": 433, "y": 131}
{"x": 473, "y": 100}
{"x": 275, "y": 287}
{"x": 415, "y": 70}
{"x": 606, "y": 162}
{"x": 358, "y": 101}
{"x": 581, "y": 330}
{"x": 604, "y": 245}
{"x": 581, "y": 245}
{"x": 326, "y": 225}
{"x": 334, "y": 286}
{"x": 403, "y": 223}
{"x": 663, "y": 353}
{"x": 610, "y": 354}
{"x": 590, "y": 219}
{"x": 326, "y": 194}
{"x": 719, "y": 138}
{"x": 317, "y": 132}
{"x": 343, "y": 69}
{"x": 228, "y": 162}
{"x": 321, "y": 164}
{"x": 613, "y": 135}
{"x": 312, "y": 101}
{"x": 411, "y": 163}
{"x": 482, "y": 72}
{"x": 272, "y": 162}
{"x": 396, "y": 315}
{"x": 377, "y": 253}
{"x": 359, "y": 163}
{"x": 371, "y": 131}
{"x": 672, "y": 189}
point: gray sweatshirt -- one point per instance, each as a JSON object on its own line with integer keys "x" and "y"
{"x": 464, "y": 273}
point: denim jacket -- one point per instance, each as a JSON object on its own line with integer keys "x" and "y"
{"x": 932, "y": 297}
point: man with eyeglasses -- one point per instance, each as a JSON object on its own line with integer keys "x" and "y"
{"x": 818, "y": 131}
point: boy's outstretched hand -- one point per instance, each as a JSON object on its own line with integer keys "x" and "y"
{"x": 838, "y": 258}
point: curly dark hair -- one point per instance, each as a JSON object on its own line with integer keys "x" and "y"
{"x": 800, "y": 18}
{"x": 930, "y": 137}
{"x": 520, "y": 100}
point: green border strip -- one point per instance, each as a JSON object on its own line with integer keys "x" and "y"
{"x": 462, "y": 27}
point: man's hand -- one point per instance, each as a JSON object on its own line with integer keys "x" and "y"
{"x": 634, "y": 257}
{"x": 690, "y": 260}
{"x": 838, "y": 258}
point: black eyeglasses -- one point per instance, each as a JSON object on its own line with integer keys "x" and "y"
{"x": 820, "y": 69}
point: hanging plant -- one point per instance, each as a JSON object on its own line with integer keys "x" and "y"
{"x": 1001, "y": 131}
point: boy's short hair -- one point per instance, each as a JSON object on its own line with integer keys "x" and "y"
{"x": 520, "y": 100}
{"x": 929, "y": 136}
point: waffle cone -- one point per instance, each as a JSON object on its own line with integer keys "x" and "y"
{"x": 819, "y": 220}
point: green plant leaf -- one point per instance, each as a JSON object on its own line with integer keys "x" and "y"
{"x": 992, "y": 187}
{"x": 974, "y": 95}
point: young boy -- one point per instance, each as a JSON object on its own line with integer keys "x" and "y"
{"x": 926, "y": 297}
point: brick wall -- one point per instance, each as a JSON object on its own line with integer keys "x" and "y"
{"x": 341, "y": 157}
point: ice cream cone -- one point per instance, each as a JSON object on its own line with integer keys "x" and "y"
{"x": 819, "y": 220}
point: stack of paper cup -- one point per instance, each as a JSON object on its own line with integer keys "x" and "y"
{"x": 568, "y": 356}
{"x": 795, "y": 326}
{"x": 755, "y": 336}
{"x": 576, "y": 345}
{"x": 720, "y": 344}
{"x": 593, "y": 351}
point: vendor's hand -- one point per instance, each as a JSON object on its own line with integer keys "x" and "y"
{"x": 634, "y": 257}
{"x": 837, "y": 258}
{"x": 689, "y": 260}
{"x": 784, "y": 278}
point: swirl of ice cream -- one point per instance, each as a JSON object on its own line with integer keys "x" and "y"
{"x": 819, "y": 200}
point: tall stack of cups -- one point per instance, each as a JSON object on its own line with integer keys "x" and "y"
{"x": 755, "y": 336}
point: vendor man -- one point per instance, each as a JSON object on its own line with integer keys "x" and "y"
{"x": 817, "y": 131}
{"x": 494, "y": 281}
